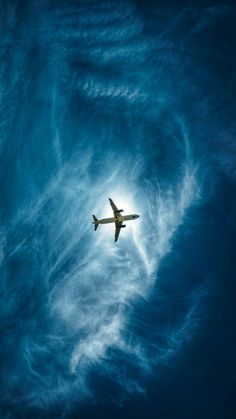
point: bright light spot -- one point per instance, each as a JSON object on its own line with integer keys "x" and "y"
{"x": 122, "y": 199}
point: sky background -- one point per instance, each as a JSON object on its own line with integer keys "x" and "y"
{"x": 135, "y": 101}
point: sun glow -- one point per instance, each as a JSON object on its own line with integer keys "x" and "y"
{"x": 122, "y": 199}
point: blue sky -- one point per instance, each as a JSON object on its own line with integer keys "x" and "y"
{"x": 133, "y": 101}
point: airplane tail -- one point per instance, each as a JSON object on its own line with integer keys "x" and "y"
{"x": 95, "y": 222}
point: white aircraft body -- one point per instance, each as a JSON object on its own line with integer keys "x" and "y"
{"x": 117, "y": 219}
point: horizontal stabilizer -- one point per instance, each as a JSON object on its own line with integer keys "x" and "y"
{"x": 95, "y": 222}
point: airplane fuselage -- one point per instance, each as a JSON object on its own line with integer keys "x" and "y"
{"x": 118, "y": 218}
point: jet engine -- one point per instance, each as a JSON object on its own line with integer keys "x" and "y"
{"x": 123, "y": 226}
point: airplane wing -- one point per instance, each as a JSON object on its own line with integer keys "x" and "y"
{"x": 114, "y": 207}
{"x": 118, "y": 224}
{"x": 118, "y": 228}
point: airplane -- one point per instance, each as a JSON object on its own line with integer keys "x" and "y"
{"x": 117, "y": 219}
